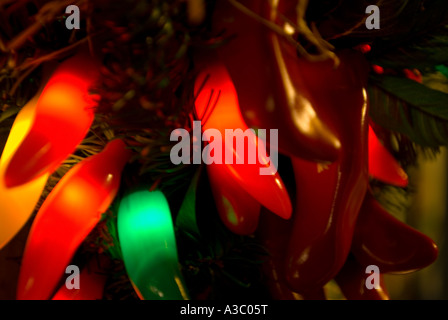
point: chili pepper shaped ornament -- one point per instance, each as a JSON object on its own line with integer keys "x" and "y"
{"x": 63, "y": 116}
{"x": 328, "y": 197}
{"x": 238, "y": 210}
{"x": 381, "y": 239}
{"x": 148, "y": 245}
{"x": 273, "y": 234}
{"x": 66, "y": 217}
{"x": 249, "y": 166}
{"x": 352, "y": 279}
{"x": 382, "y": 165}
{"x": 17, "y": 204}
{"x": 271, "y": 89}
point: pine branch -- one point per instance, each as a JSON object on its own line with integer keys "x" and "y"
{"x": 424, "y": 52}
{"x": 425, "y": 124}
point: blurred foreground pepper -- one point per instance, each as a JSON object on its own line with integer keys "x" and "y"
{"x": 382, "y": 240}
{"x": 351, "y": 279}
{"x": 328, "y": 197}
{"x": 274, "y": 233}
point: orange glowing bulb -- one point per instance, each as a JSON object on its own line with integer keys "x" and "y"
{"x": 17, "y": 204}
{"x": 64, "y": 114}
{"x": 67, "y": 216}
{"x": 268, "y": 189}
{"x": 382, "y": 165}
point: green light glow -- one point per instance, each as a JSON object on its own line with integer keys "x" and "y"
{"x": 148, "y": 244}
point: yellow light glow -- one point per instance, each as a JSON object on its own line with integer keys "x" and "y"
{"x": 17, "y": 204}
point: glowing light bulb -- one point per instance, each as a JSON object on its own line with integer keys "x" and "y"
{"x": 215, "y": 82}
{"x": 63, "y": 116}
{"x": 17, "y": 204}
{"x": 148, "y": 244}
{"x": 238, "y": 210}
{"x": 67, "y": 216}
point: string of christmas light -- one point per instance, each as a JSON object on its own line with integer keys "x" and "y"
{"x": 87, "y": 157}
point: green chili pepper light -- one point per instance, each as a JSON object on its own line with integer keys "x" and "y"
{"x": 148, "y": 244}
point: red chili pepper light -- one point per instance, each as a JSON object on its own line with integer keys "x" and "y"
{"x": 382, "y": 165}
{"x": 268, "y": 189}
{"x": 377, "y": 69}
{"x": 364, "y": 48}
{"x": 64, "y": 114}
{"x": 238, "y": 210}
{"x": 413, "y": 74}
{"x": 67, "y": 216}
{"x": 381, "y": 239}
{"x": 271, "y": 89}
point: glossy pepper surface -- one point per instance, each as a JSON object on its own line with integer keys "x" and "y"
{"x": 271, "y": 88}
{"x": 274, "y": 233}
{"x": 383, "y": 240}
{"x": 352, "y": 278}
{"x": 329, "y": 197}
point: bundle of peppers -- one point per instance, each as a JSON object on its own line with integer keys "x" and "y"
{"x": 320, "y": 108}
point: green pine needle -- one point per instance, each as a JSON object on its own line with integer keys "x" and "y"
{"x": 410, "y": 108}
